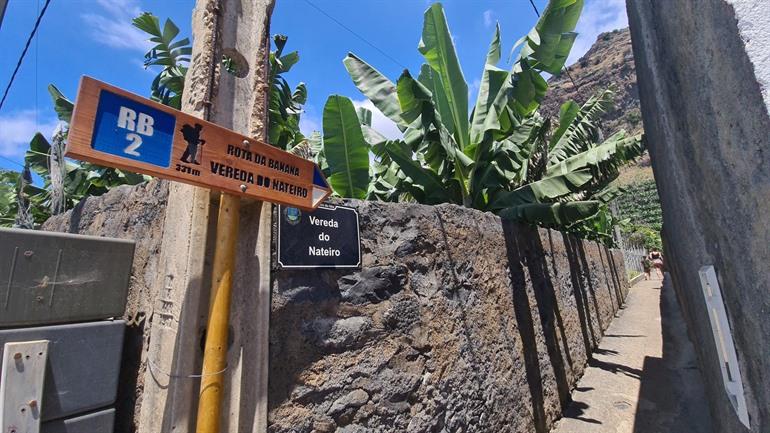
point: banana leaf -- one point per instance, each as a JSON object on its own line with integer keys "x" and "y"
{"x": 544, "y": 190}
{"x": 614, "y": 152}
{"x": 552, "y": 214}
{"x": 439, "y": 52}
{"x": 581, "y": 130}
{"x": 61, "y": 104}
{"x": 376, "y": 87}
{"x": 345, "y": 148}
{"x": 423, "y": 181}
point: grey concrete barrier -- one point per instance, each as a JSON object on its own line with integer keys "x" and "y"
{"x": 58, "y": 277}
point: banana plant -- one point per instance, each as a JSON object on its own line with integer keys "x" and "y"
{"x": 18, "y": 199}
{"x": 285, "y": 104}
{"x": 172, "y": 55}
{"x": 344, "y": 148}
{"x": 504, "y": 157}
{"x": 66, "y": 182}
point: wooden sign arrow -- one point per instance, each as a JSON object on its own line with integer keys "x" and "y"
{"x": 115, "y": 128}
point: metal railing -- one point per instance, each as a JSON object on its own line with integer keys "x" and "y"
{"x": 634, "y": 255}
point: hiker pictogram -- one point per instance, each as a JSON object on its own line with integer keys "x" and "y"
{"x": 194, "y": 142}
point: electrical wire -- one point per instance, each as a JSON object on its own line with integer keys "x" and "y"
{"x": 24, "y": 52}
{"x": 12, "y": 161}
{"x": 537, "y": 12}
{"x": 355, "y": 34}
{"x": 155, "y": 367}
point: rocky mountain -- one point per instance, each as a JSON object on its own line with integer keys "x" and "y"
{"x": 609, "y": 62}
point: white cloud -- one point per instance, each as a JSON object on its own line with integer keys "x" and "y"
{"x": 312, "y": 121}
{"x": 489, "y": 18}
{"x": 598, "y": 16}
{"x": 121, "y": 7}
{"x": 112, "y": 26}
{"x": 18, "y": 128}
{"x": 380, "y": 123}
{"x": 309, "y": 123}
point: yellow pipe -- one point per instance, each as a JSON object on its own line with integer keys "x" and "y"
{"x": 215, "y": 351}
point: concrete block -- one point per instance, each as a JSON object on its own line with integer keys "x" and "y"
{"x": 21, "y": 385}
{"x": 96, "y": 422}
{"x": 83, "y": 365}
{"x": 56, "y": 277}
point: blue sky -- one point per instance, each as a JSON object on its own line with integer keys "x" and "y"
{"x": 94, "y": 37}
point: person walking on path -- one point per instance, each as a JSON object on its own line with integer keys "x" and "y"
{"x": 656, "y": 257}
{"x": 647, "y": 265}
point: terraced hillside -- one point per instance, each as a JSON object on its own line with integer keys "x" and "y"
{"x": 610, "y": 62}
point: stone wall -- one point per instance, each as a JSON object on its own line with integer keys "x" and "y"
{"x": 703, "y": 70}
{"x": 455, "y": 321}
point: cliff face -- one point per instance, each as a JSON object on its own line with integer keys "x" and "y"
{"x": 609, "y": 62}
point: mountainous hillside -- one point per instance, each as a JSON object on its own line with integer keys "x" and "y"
{"x": 609, "y": 62}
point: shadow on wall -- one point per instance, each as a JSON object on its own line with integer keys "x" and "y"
{"x": 528, "y": 262}
{"x": 438, "y": 331}
{"x": 289, "y": 321}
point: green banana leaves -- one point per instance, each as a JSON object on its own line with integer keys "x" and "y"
{"x": 450, "y": 89}
{"x": 502, "y": 157}
{"x": 345, "y": 149}
{"x": 552, "y": 214}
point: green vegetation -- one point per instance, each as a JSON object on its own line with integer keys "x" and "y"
{"x": 173, "y": 56}
{"x": 285, "y": 103}
{"x": 634, "y": 117}
{"x": 641, "y": 206}
{"x": 66, "y": 182}
{"x": 640, "y": 203}
{"x": 498, "y": 155}
{"x": 15, "y": 190}
{"x": 504, "y": 158}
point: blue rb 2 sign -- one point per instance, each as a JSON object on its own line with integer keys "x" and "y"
{"x": 129, "y": 129}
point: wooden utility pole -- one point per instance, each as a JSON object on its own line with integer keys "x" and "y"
{"x": 234, "y": 378}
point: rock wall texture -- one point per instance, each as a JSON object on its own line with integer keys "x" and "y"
{"x": 703, "y": 71}
{"x": 455, "y": 322}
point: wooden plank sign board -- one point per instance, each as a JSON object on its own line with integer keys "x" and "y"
{"x": 116, "y": 128}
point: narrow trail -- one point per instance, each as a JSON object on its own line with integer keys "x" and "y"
{"x": 643, "y": 378}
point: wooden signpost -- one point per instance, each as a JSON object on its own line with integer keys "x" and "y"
{"x": 116, "y": 128}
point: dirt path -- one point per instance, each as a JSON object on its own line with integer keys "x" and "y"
{"x": 641, "y": 380}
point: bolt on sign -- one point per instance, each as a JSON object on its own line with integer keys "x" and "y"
{"x": 116, "y": 128}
